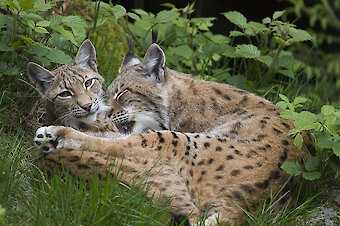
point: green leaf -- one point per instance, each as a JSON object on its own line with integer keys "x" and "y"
{"x": 278, "y": 14}
{"x": 284, "y": 98}
{"x": 167, "y": 16}
{"x": 134, "y": 16}
{"x": 336, "y": 149}
{"x": 306, "y": 120}
{"x": 119, "y": 11}
{"x": 4, "y": 47}
{"x": 287, "y": 73}
{"x": 312, "y": 163}
{"x": 58, "y": 56}
{"x": 169, "y": 5}
{"x": 236, "y": 18}
{"x": 281, "y": 104}
{"x": 41, "y": 30}
{"x": 298, "y": 141}
{"x": 280, "y": 41}
{"x": 26, "y": 4}
{"x": 247, "y": 51}
{"x": 43, "y": 23}
{"x": 327, "y": 109}
{"x": 292, "y": 168}
{"x": 299, "y": 35}
{"x": 299, "y": 100}
{"x": 256, "y": 27}
{"x": 266, "y": 20}
{"x": 289, "y": 114}
{"x": 183, "y": 51}
{"x": 267, "y": 60}
{"x": 311, "y": 175}
{"x": 30, "y": 24}
{"x": 236, "y": 34}
{"x": 12, "y": 4}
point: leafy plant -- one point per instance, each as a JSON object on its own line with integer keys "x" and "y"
{"x": 323, "y": 127}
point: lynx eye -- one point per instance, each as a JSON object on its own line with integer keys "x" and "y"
{"x": 65, "y": 94}
{"x": 88, "y": 83}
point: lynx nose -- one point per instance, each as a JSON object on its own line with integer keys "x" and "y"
{"x": 87, "y": 107}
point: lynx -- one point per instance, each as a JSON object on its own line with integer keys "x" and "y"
{"x": 208, "y": 144}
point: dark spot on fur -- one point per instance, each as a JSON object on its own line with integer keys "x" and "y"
{"x": 175, "y": 152}
{"x": 199, "y": 179}
{"x": 284, "y": 156}
{"x": 75, "y": 159}
{"x": 211, "y": 160}
{"x": 188, "y": 204}
{"x": 195, "y": 144}
{"x": 247, "y": 188}
{"x": 144, "y": 143}
{"x": 186, "y": 153}
{"x": 285, "y": 125}
{"x": 204, "y": 172}
{"x": 218, "y": 177}
{"x": 217, "y": 91}
{"x": 159, "y": 148}
{"x": 197, "y": 136}
{"x": 237, "y": 152}
{"x": 248, "y": 167}
{"x": 221, "y": 140}
{"x": 235, "y": 172}
{"x": 188, "y": 138}
{"x": 187, "y": 161}
{"x": 221, "y": 167}
{"x": 175, "y": 143}
{"x": 206, "y": 144}
{"x": 83, "y": 166}
{"x": 218, "y": 149}
{"x": 229, "y": 157}
{"x": 231, "y": 146}
{"x": 277, "y": 131}
{"x": 161, "y": 140}
{"x": 274, "y": 175}
{"x": 195, "y": 156}
{"x": 261, "y": 102}
{"x": 145, "y": 162}
{"x": 244, "y": 99}
{"x": 174, "y": 135}
{"x": 192, "y": 163}
{"x": 268, "y": 146}
{"x": 237, "y": 195}
{"x": 191, "y": 173}
{"x": 200, "y": 163}
{"x": 263, "y": 123}
{"x": 285, "y": 142}
{"x": 188, "y": 147}
{"x": 263, "y": 184}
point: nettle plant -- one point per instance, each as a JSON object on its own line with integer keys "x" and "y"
{"x": 325, "y": 131}
{"x": 35, "y": 29}
{"x": 191, "y": 47}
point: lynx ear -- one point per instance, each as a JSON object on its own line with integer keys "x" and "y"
{"x": 130, "y": 58}
{"x": 154, "y": 63}
{"x": 41, "y": 77}
{"x": 86, "y": 56}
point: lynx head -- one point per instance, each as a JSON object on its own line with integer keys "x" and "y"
{"x": 138, "y": 96}
{"x": 72, "y": 92}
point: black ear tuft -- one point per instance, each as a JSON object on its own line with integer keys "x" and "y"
{"x": 86, "y": 56}
{"x": 41, "y": 77}
{"x": 154, "y": 63}
{"x": 130, "y": 58}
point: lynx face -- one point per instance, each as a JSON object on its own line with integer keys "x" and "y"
{"x": 137, "y": 97}
{"x": 72, "y": 92}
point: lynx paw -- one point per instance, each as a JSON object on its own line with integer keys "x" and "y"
{"x": 47, "y": 138}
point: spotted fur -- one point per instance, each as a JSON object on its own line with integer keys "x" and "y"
{"x": 208, "y": 144}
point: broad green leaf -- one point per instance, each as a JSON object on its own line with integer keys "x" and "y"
{"x": 30, "y": 24}
{"x": 266, "y": 20}
{"x": 299, "y": 100}
{"x": 281, "y": 104}
{"x": 58, "y": 56}
{"x": 167, "y": 16}
{"x": 31, "y": 16}
{"x": 257, "y": 27}
{"x": 236, "y": 18}
{"x": 335, "y": 164}
{"x": 169, "y": 5}
{"x": 267, "y": 60}
{"x": 299, "y": 35}
{"x": 311, "y": 175}
{"x": 183, "y": 51}
{"x": 119, "y": 11}
{"x": 247, "y": 51}
{"x": 43, "y": 23}
{"x": 12, "y": 4}
{"x": 306, "y": 120}
{"x": 134, "y": 16}
{"x": 298, "y": 141}
{"x": 26, "y": 4}
{"x": 203, "y": 23}
{"x": 289, "y": 114}
{"x": 229, "y": 51}
{"x": 3, "y": 20}
{"x": 287, "y": 73}
{"x": 312, "y": 163}
{"x": 327, "y": 109}
{"x": 140, "y": 12}
{"x": 278, "y": 14}
{"x": 236, "y": 34}
{"x": 336, "y": 149}
{"x": 41, "y": 5}
{"x": 41, "y": 30}
{"x": 292, "y": 168}
{"x": 284, "y": 98}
